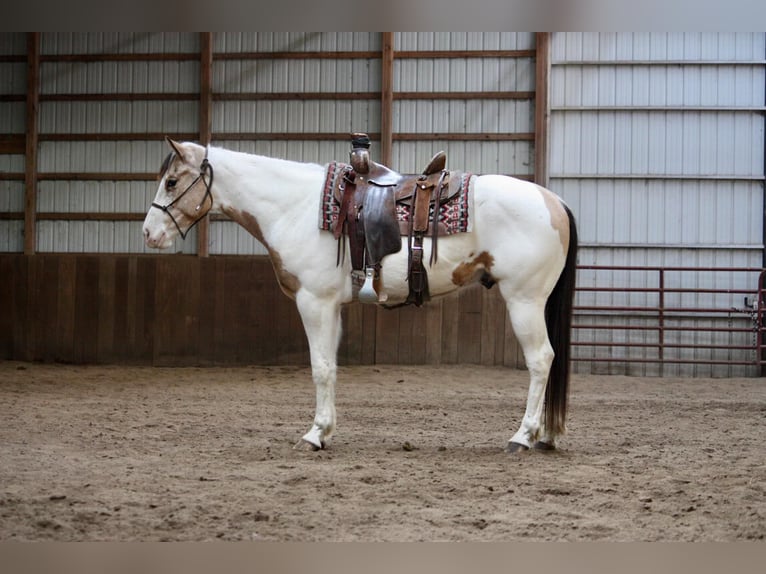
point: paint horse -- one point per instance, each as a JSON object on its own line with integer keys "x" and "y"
{"x": 522, "y": 238}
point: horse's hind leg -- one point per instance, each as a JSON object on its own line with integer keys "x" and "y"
{"x": 528, "y": 320}
{"x": 322, "y": 322}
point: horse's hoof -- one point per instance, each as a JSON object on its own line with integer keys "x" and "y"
{"x": 303, "y": 444}
{"x": 542, "y": 445}
{"x": 514, "y": 447}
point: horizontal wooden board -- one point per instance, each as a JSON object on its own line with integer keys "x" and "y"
{"x": 223, "y": 310}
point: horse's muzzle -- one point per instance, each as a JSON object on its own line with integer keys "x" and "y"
{"x": 156, "y": 241}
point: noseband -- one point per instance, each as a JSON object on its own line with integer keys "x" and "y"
{"x": 204, "y": 168}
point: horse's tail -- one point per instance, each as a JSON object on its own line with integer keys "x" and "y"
{"x": 558, "y": 318}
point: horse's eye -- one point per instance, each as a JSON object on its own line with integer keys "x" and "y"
{"x": 171, "y": 182}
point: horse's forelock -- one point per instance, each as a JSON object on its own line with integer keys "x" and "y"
{"x": 166, "y": 163}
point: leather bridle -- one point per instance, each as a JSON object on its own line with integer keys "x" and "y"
{"x": 204, "y": 168}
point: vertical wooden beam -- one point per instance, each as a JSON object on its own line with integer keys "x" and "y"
{"x": 542, "y": 106}
{"x": 30, "y": 177}
{"x": 387, "y": 99}
{"x": 205, "y": 124}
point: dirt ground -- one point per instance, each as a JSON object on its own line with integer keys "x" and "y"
{"x": 126, "y": 453}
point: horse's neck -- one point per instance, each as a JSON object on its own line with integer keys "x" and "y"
{"x": 262, "y": 193}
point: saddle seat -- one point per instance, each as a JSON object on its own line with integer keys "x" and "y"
{"x": 404, "y": 185}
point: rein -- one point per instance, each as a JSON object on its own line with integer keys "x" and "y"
{"x": 204, "y": 167}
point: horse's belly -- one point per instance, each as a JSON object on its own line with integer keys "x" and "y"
{"x": 452, "y": 253}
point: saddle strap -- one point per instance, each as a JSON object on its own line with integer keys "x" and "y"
{"x": 416, "y": 274}
{"x": 435, "y": 228}
{"x": 348, "y": 222}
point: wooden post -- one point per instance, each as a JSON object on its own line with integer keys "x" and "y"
{"x": 30, "y": 176}
{"x": 542, "y": 106}
{"x": 205, "y": 124}
{"x": 387, "y": 99}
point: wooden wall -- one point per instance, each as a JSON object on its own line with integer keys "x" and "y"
{"x": 223, "y": 310}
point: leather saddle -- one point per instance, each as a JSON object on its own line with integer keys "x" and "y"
{"x": 370, "y": 195}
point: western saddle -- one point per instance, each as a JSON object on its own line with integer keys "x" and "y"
{"x": 369, "y": 194}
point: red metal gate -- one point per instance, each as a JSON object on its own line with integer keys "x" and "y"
{"x": 653, "y": 309}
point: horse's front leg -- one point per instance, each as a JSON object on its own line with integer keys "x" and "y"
{"x": 322, "y": 322}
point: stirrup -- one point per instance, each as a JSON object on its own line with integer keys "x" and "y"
{"x": 367, "y": 293}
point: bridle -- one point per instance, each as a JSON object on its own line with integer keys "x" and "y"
{"x": 204, "y": 167}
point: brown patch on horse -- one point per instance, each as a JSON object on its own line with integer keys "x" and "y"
{"x": 559, "y": 217}
{"x": 288, "y": 282}
{"x": 466, "y": 272}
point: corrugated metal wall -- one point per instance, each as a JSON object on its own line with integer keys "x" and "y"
{"x": 252, "y": 97}
{"x": 657, "y": 143}
{"x": 465, "y": 116}
{"x": 292, "y": 116}
{"x": 79, "y": 115}
{"x": 13, "y": 79}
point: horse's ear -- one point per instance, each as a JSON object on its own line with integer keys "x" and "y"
{"x": 188, "y": 152}
{"x": 177, "y": 147}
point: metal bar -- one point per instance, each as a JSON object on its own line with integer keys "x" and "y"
{"x": 670, "y": 268}
{"x": 658, "y": 108}
{"x": 671, "y": 177}
{"x": 660, "y": 63}
{"x": 664, "y": 319}
{"x": 696, "y": 246}
{"x": 667, "y": 328}
{"x": 761, "y": 305}
{"x": 661, "y": 318}
{"x": 660, "y": 346}
{"x": 667, "y": 361}
{"x": 659, "y": 310}
{"x": 658, "y": 289}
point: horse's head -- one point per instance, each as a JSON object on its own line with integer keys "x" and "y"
{"x": 183, "y": 197}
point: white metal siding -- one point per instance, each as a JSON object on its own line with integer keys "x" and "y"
{"x": 296, "y": 41}
{"x": 657, "y": 143}
{"x": 469, "y": 116}
{"x": 118, "y": 42}
{"x": 72, "y": 117}
{"x": 292, "y": 116}
{"x": 13, "y": 81}
{"x": 464, "y": 41}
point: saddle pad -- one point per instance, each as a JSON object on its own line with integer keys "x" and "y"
{"x": 455, "y": 215}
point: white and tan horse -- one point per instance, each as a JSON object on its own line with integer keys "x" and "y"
{"x": 523, "y": 236}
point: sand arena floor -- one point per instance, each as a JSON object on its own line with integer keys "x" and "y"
{"x": 139, "y": 453}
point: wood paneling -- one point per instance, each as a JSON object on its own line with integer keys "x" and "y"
{"x": 183, "y": 310}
